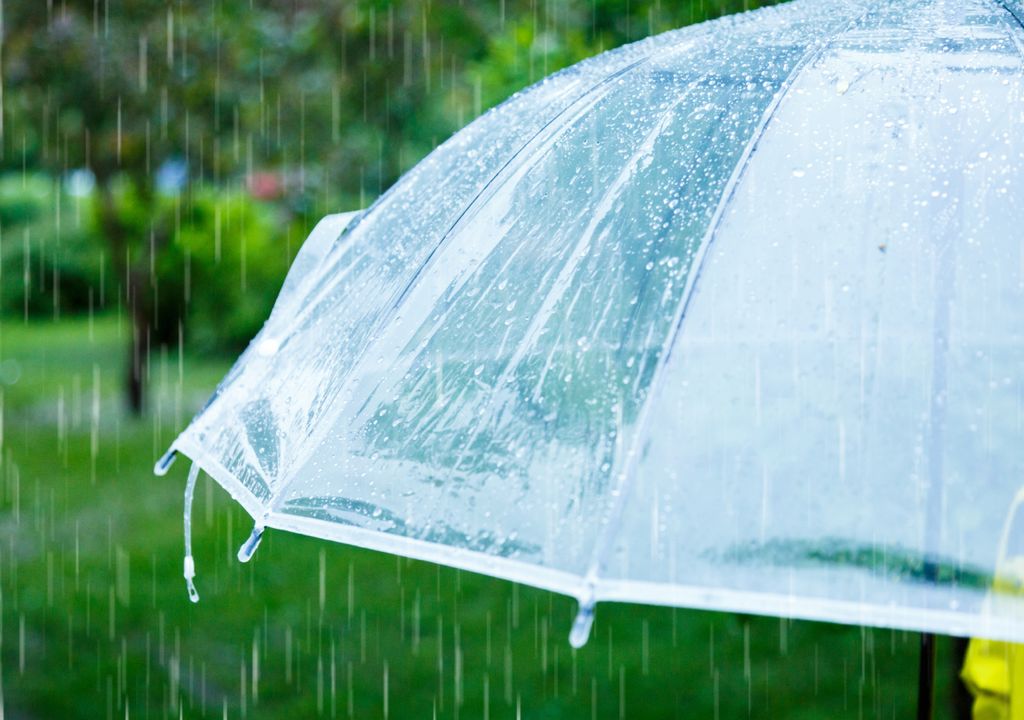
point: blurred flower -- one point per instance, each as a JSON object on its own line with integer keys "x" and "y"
{"x": 265, "y": 185}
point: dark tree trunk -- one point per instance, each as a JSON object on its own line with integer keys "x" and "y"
{"x": 137, "y": 292}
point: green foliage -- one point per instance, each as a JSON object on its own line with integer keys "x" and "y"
{"x": 50, "y": 260}
{"x": 224, "y": 259}
{"x": 235, "y": 252}
{"x": 221, "y": 264}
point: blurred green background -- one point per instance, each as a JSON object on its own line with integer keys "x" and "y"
{"x": 160, "y": 164}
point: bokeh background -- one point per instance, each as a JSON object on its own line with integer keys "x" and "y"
{"x": 161, "y": 162}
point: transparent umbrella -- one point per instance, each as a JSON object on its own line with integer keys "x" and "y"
{"x": 730, "y": 318}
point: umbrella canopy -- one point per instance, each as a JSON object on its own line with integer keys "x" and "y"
{"x": 730, "y": 318}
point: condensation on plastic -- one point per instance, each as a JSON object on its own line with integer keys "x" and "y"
{"x": 729, "y": 318}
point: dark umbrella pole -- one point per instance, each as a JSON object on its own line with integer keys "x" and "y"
{"x": 926, "y": 664}
{"x": 926, "y": 678}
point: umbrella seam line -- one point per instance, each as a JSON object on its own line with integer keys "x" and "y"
{"x": 625, "y": 70}
{"x": 1013, "y": 13}
{"x": 857, "y": 612}
{"x": 1019, "y": 21}
{"x": 612, "y": 526}
{"x": 476, "y": 200}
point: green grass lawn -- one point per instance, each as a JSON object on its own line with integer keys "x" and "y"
{"x": 96, "y": 621}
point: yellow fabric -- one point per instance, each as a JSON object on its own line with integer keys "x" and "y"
{"x": 994, "y": 670}
{"x": 986, "y": 673}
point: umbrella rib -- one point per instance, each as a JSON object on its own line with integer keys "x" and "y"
{"x": 680, "y": 41}
{"x": 1018, "y": 19}
{"x": 561, "y": 282}
{"x": 590, "y": 588}
{"x": 483, "y": 192}
{"x": 1016, "y": 14}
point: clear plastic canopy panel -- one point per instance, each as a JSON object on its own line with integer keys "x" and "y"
{"x": 730, "y": 318}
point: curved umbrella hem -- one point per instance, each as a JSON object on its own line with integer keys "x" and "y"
{"x": 559, "y": 581}
{"x": 696, "y": 597}
{"x": 845, "y": 612}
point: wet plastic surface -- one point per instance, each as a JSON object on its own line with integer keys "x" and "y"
{"x": 729, "y": 318}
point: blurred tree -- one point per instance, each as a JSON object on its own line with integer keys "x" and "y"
{"x": 313, "y": 104}
{"x": 155, "y": 98}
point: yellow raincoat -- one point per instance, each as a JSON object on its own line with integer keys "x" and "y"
{"x": 994, "y": 670}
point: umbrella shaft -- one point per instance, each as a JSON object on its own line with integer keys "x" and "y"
{"x": 926, "y": 677}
